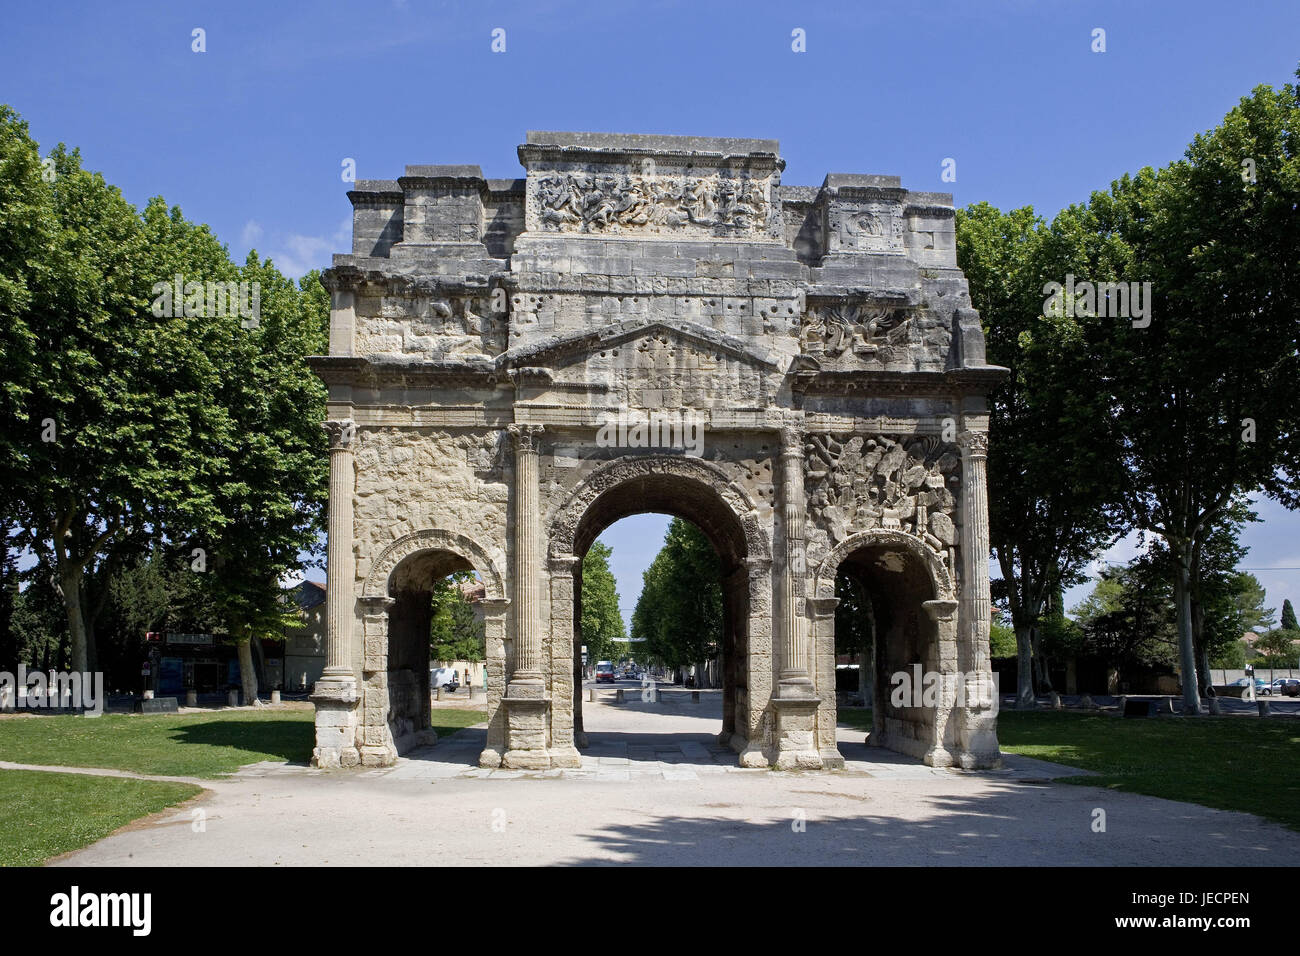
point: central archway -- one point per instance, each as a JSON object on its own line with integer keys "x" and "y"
{"x": 700, "y": 493}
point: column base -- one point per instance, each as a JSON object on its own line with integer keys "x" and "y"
{"x": 796, "y": 733}
{"x": 939, "y": 757}
{"x": 565, "y": 757}
{"x": 832, "y": 760}
{"x": 526, "y": 730}
{"x": 335, "y": 699}
{"x": 489, "y": 759}
{"x": 795, "y": 688}
{"x": 378, "y": 756}
{"x": 969, "y": 760}
{"x": 335, "y": 758}
{"x": 751, "y": 755}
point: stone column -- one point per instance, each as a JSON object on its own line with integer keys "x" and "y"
{"x": 795, "y": 679}
{"x": 977, "y": 718}
{"x": 335, "y": 694}
{"x": 526, "y": 701}
{"x": 527, "y": 677}
{"x": 976, "y": 604}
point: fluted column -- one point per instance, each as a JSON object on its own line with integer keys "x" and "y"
{"x": 795, "y": 680}
{"x": 528, "y": 664}
{"x": 335, "y": 694}
{"x": 975, "y": 600}
{"x": 340, "y": 572}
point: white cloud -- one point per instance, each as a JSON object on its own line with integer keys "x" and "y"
{"x": 296, "y": 254}
{"x": 252, "y": 232}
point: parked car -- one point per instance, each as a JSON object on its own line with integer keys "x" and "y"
{"x": 442, "y": 676}
{"x": 1286, "y": 685}
{"x": 604, "y": 672}
{"x": 1261, "y": 688}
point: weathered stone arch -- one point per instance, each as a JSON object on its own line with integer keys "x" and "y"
{"x": 434, "y": 539}
{"x": 824, "y": 582}
{"x": 568, "y": 517}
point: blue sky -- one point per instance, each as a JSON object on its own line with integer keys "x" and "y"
{"x": 250, "y": 135}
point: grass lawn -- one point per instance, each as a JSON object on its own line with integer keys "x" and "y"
{"x": 1230, "y": 763}
{"x": 449, "y": 720}
{"x": 192, "y": 745}
{"x": 46, "y": 814}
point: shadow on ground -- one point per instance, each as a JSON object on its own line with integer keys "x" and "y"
{"x": 289, "y": 740}
{"x": 1009, "y": 824}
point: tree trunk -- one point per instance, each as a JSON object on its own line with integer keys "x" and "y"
{"x": 1042, "y": 677}
{"x": 69, "y": 583}
{"x": 1024, "y": 667}
{"x": 1186, "y": 651}
{"x": 1206, "y": 678}
{"x": 247, "y": 674}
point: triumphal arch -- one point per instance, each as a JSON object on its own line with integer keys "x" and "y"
{"x": 655, "y": 323}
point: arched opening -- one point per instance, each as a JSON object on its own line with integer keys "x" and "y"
{"x": 411, "y": 587}
{"x": 899, "y": 606}
{"x": 692, "y": 493}
{"x": 667, "y": 680}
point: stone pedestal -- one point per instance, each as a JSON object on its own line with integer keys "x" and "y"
{"x": 336, "y": 723}
{"x": 796, "y": 738}
{"x": 526, "y": 733}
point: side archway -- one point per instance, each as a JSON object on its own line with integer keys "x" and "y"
{"x": 909, "y": 609}
{"x": 884, "y": 539}
{"x": 395, "y": 618}
{"x": 376, "y": 584}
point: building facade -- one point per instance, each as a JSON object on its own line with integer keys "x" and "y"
{"x": 655, "y": 323}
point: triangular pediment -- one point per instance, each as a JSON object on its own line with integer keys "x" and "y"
{"x": 563, "y": 350}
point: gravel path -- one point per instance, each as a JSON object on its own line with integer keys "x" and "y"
{"x": 656, "y": 789}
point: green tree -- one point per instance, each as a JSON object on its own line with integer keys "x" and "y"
{"x": 1127, "y": 620}
{"x": 855, "y": 624}
{"x": 679, "y": 612}
{"x": 269, "y": 484}
{"x": 108, "y": 408}
{"x": 1002, "y": 641}
{"x": 1054, "y": 476}
{"x": 1204, "y": 394}
{"x": 1288, "y": 616}
{"x": 128, "y": 417}
{"x": 455, "y": 632}
{"x": 1278, "y": 647}
{"x": 603, "y": 630}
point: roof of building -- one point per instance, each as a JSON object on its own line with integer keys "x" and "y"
{"x": 309, "y": 594}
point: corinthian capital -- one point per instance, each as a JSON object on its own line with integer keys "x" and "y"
{"x": 976, "y": 443}
{"x": 527, "y": 437}
{"x": 342, "y": 433}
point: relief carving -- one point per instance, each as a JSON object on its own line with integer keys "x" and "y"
{"x": 614, "y": 204}
{"x": 435, "y": 327}
{"x": 867, "y": 227}
{"x": 856, "y": 483}
{"x": 866, "y": 331}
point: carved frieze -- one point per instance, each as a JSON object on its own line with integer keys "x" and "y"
{"x": 623, "y": 203}
{"x": 435, "y": 327}
{"x": 835, "y": 329}
{"x": 865, "y": 227}
{"x": 908, "y": 484}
